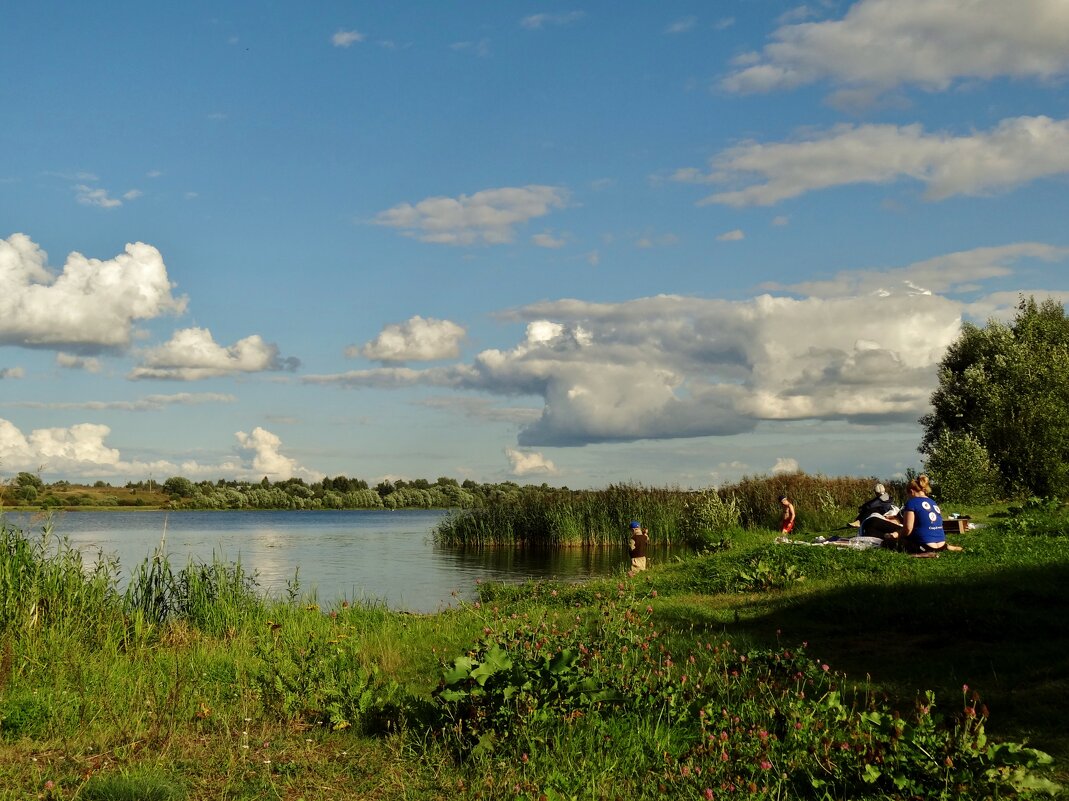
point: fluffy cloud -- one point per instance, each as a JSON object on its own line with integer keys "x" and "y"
{"x": 680, "y": 367}
{"x": 78, "y": 450}
{"x": 535, "y": 22}
{"x": 90, "y": 306}
{"x": 881, "y": 44}
{"x": 735, "y": 235}
{"x": 488, "y": 216}
{"x": 191, "y": 354}
{"x": 12, "y": 372}
{"x": 1016, "y": 151}
{"x": 526, "y": 463}
{"x": 263, "y": 449}
{"x": 784, "y": 464}
{"x": 81, "y": 451}
{"x": 418, "y": 339}
{"x": 862, "y": 349}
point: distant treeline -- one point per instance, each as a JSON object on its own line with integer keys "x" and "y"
{"x": 494, "y": 513}
{"x": 341, "y": 492}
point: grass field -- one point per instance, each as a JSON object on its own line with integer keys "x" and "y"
{"x": 757, "y": 670}
{"x": 73, "y": 496}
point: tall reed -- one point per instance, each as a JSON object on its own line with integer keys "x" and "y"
{"x": 538, "y": 517}
{"x": 546, "y": 517}
{"x": 44, "y": 581}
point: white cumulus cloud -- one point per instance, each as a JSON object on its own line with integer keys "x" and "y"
{"x": 263, "y": 449}
{"x": 861, "y": 348}
{"x": 417, "y": 339}
{"x": 192, "y": 354}
{"x": 489, "y": 216}
{"x": 526, "y": 463}
{"x": 735, "y": 235}
{"x": 12, "y": 372}
{"x": 80, "y": 450}
{"x": 1016, "y": 151}
{"x": 92, "y": 305}
{"x": 784, "y": 464}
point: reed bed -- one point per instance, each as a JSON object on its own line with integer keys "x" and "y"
{"x": 549, "y": 518}
{"x": 546, "y": 517}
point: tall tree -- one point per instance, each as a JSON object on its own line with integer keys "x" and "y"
{"x": 1007, "y": 387}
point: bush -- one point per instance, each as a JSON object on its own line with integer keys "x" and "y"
{"x": 311, "y": 679}
{"x": 962, "y": 471}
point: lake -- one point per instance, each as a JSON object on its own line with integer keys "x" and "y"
{"x": 353, "y": 555}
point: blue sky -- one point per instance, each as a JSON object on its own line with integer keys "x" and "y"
{"x": 574, "y": 243}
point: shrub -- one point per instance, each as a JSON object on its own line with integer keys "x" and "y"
{"x": 306, "y": 677}
{"x": 962, "y": 471}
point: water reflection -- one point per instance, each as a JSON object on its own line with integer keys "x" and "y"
{"x": 350, "y": 555}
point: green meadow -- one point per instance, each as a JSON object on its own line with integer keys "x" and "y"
{"x": 744, "y": 669}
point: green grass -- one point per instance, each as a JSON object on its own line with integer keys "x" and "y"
{"x": 190, "y": 685}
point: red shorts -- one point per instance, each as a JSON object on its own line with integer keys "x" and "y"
{"x": 787, "y": 528}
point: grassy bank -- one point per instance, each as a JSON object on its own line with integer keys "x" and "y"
{"x": 690, "y": 678}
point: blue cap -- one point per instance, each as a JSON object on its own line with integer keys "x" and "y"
{"x": 635, "y": 524}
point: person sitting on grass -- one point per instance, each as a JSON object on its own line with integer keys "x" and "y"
{"x": 922, "y": 520}
{"x": 878, "y": 517}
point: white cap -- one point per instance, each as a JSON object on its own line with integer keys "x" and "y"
{"x": 879, "y": 489}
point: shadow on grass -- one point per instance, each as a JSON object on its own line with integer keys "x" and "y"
{"x": 1005, "y": 634}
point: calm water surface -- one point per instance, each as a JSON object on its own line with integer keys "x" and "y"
{"x": 352, "y": 555}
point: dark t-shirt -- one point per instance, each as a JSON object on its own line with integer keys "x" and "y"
{"x": 880, "y": 505}
{"x": 638, "y": 543}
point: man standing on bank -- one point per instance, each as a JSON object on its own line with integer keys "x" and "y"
{"x": 786, "y": 522}
{"x": 637, "y": 545}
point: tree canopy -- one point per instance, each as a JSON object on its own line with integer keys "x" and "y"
{"x": 1006, "y": 388}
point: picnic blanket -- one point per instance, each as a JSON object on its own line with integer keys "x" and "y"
{"x": 856, "y": 543}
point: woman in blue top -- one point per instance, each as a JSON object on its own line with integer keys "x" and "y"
{"x": 922, "y": 522}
